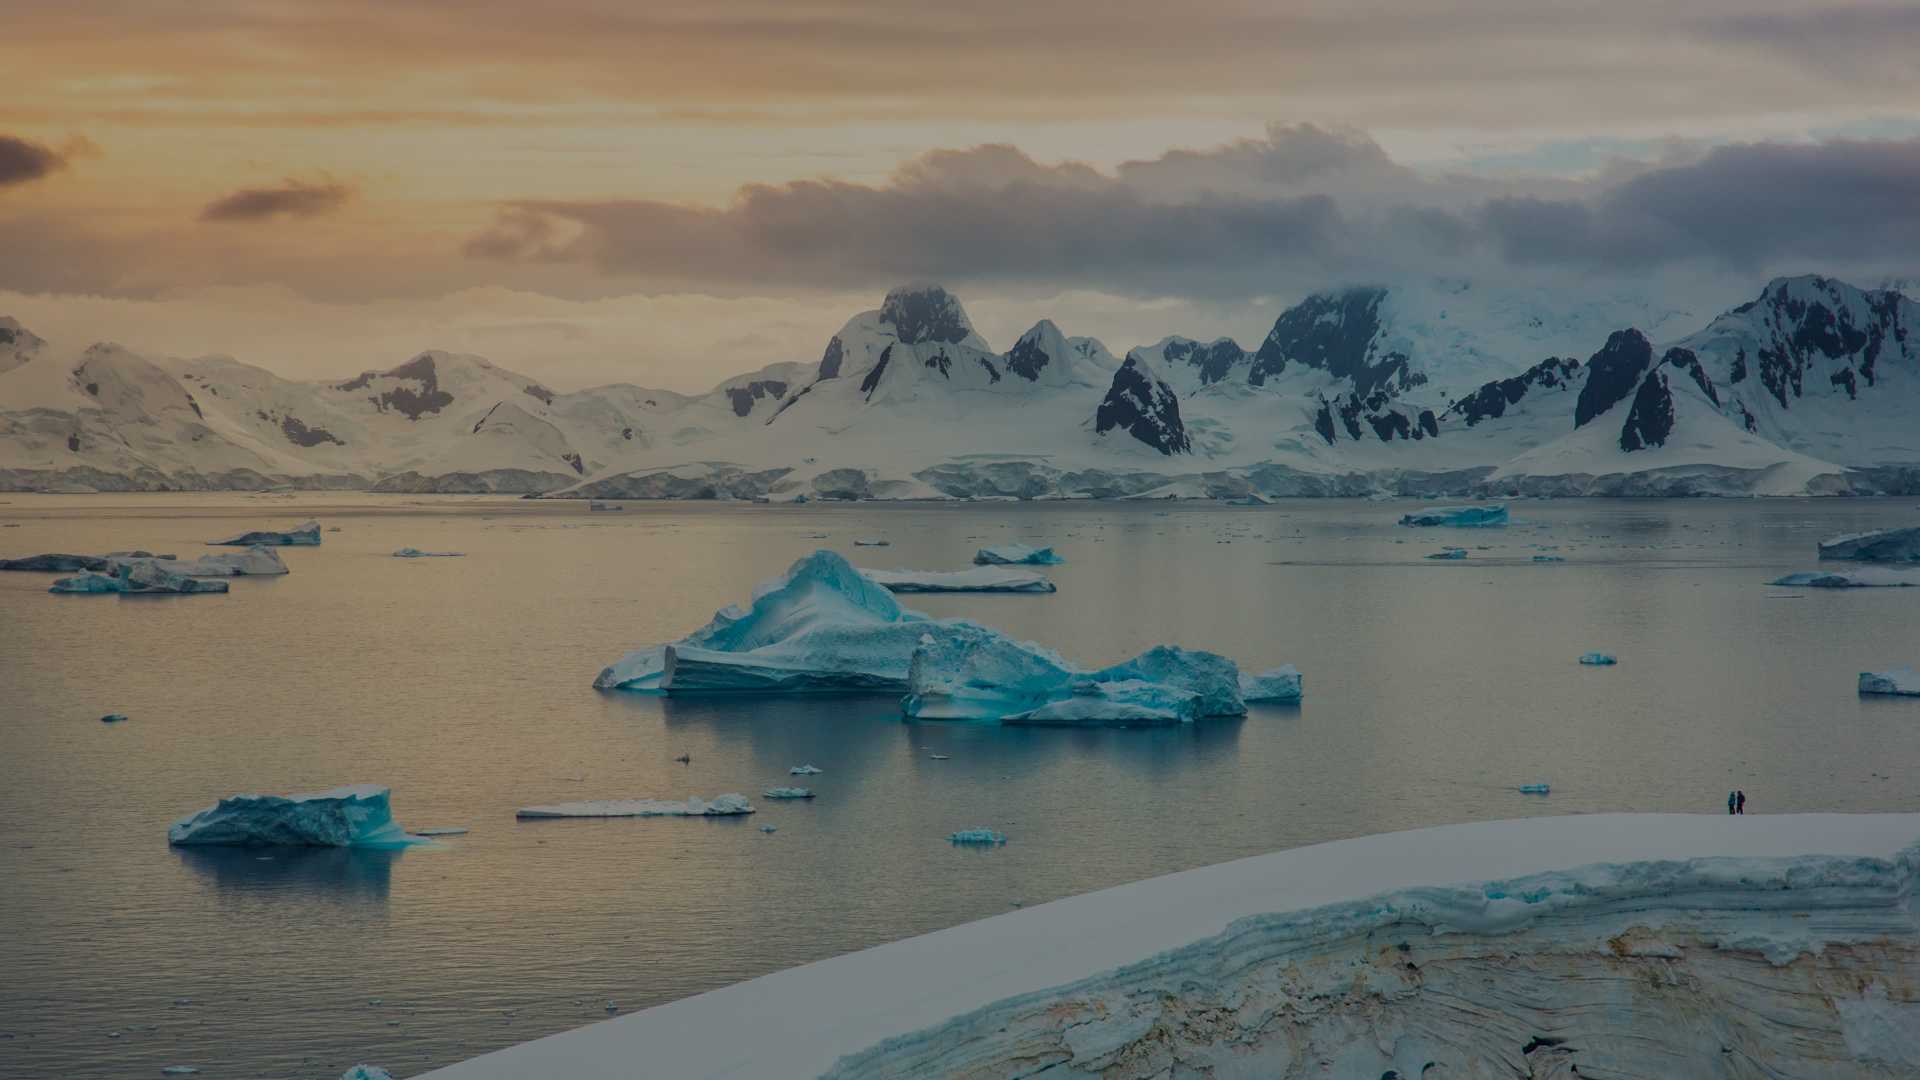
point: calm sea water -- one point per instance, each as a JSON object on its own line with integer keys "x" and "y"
{"x": 1433, "y": 688}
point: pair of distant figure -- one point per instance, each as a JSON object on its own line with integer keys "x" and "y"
{"x": 1736, "y": 802}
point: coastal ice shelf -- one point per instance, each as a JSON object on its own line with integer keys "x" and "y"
{"x": 1628, "y": 945}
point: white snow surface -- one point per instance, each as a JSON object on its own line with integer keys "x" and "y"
{"x": 721, "y": 806}
{"x": 1087, "y": 976}
{"x": 973, "y": 579}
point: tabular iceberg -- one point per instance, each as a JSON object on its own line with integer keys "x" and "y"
{"x": 256, "y": 561}
{"x": 358, "y": 815}
{"x": 788, "y": 793}
{"x": 1016, "y": 554}
{"x": 1884, "y": 545}
{"x": 304, "y": 535}
{"x": 1458, "y": 516}
{"x": 977, "y": 579}
{"x": 1900, "y": 682}
{"x": 1279, "y": 685}
{"x": 1870, "y": 577}
{"x": 721, "y": 806}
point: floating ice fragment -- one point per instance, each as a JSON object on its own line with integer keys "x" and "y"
{"x": 366, "y": 1072}
{"x": 416, "y": 553}
{"x": 303, "y": 535}
{"x": 1016, "y": 554}
{"x": 769, "y": 828}
{"x": 1597, "y": 659}
{"x": 805, "y": 770}
{"x": 873, "y": 543}
{"x": 177, "y": 1070}
{"x": 1535, "y": 789}
{"x": 1279, "y": 685}
{"x": 977, "y": 579}
{"x": 450, "y": 830}
{"x": 722, "y": 806}
{"x": 1883, "y": 545}
{"x": 1458, "y": 516}
{"x": 113, "y": 718}
{"x": 1867, "y": 577}
{"x": 145, "y": 577}
{"x": 1450, "y": 553}
{"x": 979, "y": 834}
{"x": 788, "y": 793}
{"x": 1900, "y": 682}
{"x": 1549, "y": 558}
{"x": 596, "y": 504}
{"x": 358, "y": 815}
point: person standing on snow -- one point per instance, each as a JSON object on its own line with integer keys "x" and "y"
{"x": 1741, "y": 802}
{"x": 1730, "y": 803}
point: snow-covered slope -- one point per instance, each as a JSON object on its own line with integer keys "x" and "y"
{"x": 1643, "y": 945}
{"x": 1430, "y": 389}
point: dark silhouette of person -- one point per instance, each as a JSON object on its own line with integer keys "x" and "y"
{"x": 1731, "y": 802}
{"x": 1741, "y": 802}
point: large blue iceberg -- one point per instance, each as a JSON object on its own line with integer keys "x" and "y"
{"x": 1884, "y": 545}
{"x": 304, "y": 535}
{"x": 354, "y": 816}
{"x": 1459, "y": 516}
{"x": 824, "y": 626}
{"x": 1899, "y": 682}
{"x": 144, "y": 576}
{"x": 1016, "y": 555}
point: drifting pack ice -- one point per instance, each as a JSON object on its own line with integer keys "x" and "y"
{"x": 1869, "y": 577}
{"x": 824, "y": 626}
{"x": 721, "y": 806}
{"x": 1900, "y": 682}
{"x": 976, "y": 579}
{"x": 306, "y": 535}
{"x": 143, "y": 576}
{"x": 1457, "y": 516}
{"x": 1884, "y": 545}
{"x": 1016, "y": 555}
{"x": 358, "y": 815}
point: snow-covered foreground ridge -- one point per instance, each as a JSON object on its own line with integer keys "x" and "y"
{"x": 1416, "y": 389}
{"x": 1628, "y": 945}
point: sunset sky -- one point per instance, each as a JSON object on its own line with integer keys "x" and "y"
{"x": 671, "y": 191}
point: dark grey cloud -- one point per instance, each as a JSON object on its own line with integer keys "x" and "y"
{"x": 1301, "y": 207}
{"x": 23, "y": 161}
{"x": 293, "y": 198}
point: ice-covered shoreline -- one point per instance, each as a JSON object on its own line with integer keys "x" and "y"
{"x": 1319, "y": 959}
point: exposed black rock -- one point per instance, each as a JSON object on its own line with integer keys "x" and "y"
{"x": 830, "y": 360}
{"x": 1334, "y": 333}
{"x": 1323, "y": 422}
{"x": 993, "y": 373}
{"x": 1212, "y": 361}
{"x": 579, "y": 467}
{"x": 1685, "y": 360}
{"x": 1612, "y": 374}
{"x": 1650, "y": 420}
{"x": 1027, "y": 359}
{"x": 300, "y": 434}
{"x": 408, "y": 401}
{"x": 928, "y": 313}
{"x": 744, "y": 396}
{"x": 73, "y": 442}
{"x": 872, "y": 381}
{"x": 1491, "y": 401}
{"x": 940, "y": 362}
{"x": 1145, "y": 406}
{"x": 535, "y": 390}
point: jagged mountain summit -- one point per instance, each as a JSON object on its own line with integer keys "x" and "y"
{"x": 1812, "y": 387}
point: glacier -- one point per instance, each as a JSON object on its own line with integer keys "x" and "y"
{"x": 1015, "y": 555}
{"x": 1883, "y": 545}
{"x": 1629, "y": 945}
{"x": 1277, "y": 686}
{"x": 358, "y": 815}
{"x": 976, "y": 579}
{"x": 1458, "y": 516}
{"x": 1900, "y": 682}
{"x": 1867, "y": 577}
{"x": 728, "y": 805}
{"x": 306, "y": 534}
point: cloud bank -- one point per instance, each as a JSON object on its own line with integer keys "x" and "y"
{"x": 292, "y": 199}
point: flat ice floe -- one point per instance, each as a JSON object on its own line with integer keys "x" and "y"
{"x": 416, "y": 553}
{"x": 1900, "y": 682}
{"x": 358, "y": 815}
{"x": 1644, "y": 945}
{"x": 1598, "y": 659}
{"x": 1275, "y": 686}
{"x": 143, "y": 577}
{"x": 788, "y": 793}
{"x": 974, "y": 579}
{"x": 303, "y": 535}
{"x": 256, "y": 561}
{"x": 1016, "y": 555}
{"x": 721, "y": 806}
{"x": 1867, "y": 577}
{"x": 1457, "y": 516}
{"x": 1883, "y": 545}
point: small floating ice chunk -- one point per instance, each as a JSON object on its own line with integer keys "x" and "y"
{"x": 1549, "y": 558}
{"x": 416, "y": 553}
{"x": 873, "y": 543}
{"x": 177, "y": 1070}
{"x": 978, "y": 579}
{"x": 358, "y": 815}
{"x": 596, "y": 504}
{"x": 769, "y": 828}
{"x": 805, "y": 770}
{"x": 721, "y": 806}
{"x": 1867, "y": 577}
{"x": 1279, "y": 685}
{"x": 1597, "y": 659}
{"x": 979, "y": 834}
{"x": 788, "y": 793}
{"x": 303, "y": 535}
{"x": 1900, "y": 682}
{"x": 1016, "y": 555}
{"x": 256, "y": 561}
{"x": 145, "y": 577}
{"x": 113, "y": 718}
{"x": 1881, "y": 545}
{"x": 1450, "y": 553}
{"x": 366, "y": 1072}
{"x": 449, "y": 830}
{"x": 1458, "y": 516}
{"x": 1535, "y": 789}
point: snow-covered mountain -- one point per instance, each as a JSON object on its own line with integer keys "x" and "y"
{"x": 1813, "y": 387}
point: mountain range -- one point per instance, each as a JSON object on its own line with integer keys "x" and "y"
{"x": 1813, "y": 387}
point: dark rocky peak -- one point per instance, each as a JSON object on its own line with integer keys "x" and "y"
{"x": 1650, "y": 419}
{"x": 1334, "y": 333}
{"x": 1211, "y": 361}
{"x": 831, "y": 359}
{"x": 17, "y": 343}
{"x": 743, "y": 396}
{"x": 1377, "y": 414}
{"x": 1613, "y": 374}
{"x": 413, "y": 402}
{"x": 925, "y": 313}
{"x": 1799, "y": 322}
{"x": 1037, "y": 348}
{"x": 1686, "y": 361}
{"x": 1142, "y": 404}
{"x": 1492, "y": 400}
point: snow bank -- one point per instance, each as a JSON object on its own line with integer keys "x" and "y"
{"x": 305, "y": 535}
{"x": 1868, "y": 577}
{"x": 354, "y": 816}
{"x": 1901, "y": 682}
{"x": 1016, "y": 554}
{"x": 721, "y": 806}
{"x": 1281, "y": 685}
{"x": 1884, "y": 545}
{"x": 1457, "y": 516}
{"x": 1620, "y": 944}
{"x": 977, "y": 579}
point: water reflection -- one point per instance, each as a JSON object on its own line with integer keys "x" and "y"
{"x": 347, "y": 875}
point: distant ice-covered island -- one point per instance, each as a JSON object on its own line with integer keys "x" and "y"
{"x": 1628, "y": 945}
